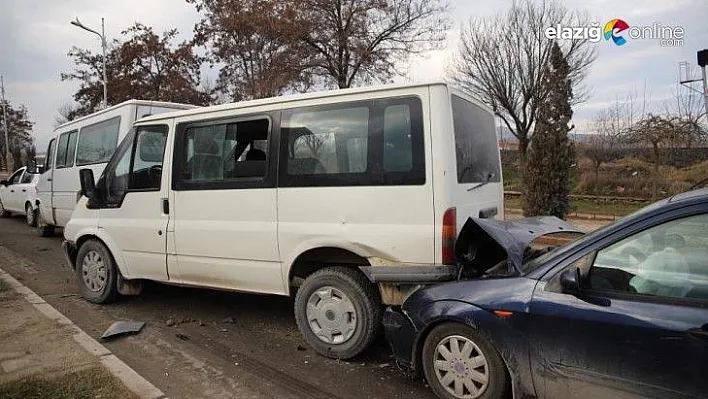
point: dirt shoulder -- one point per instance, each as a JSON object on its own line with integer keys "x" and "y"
{"x": 39, "y": 357}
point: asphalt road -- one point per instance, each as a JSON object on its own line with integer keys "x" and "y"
{"x": 221, "y": 344}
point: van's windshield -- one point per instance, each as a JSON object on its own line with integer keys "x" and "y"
{"x": 475, "y": 143}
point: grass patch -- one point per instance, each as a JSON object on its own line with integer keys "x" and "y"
{"x": 618, "y": 208}
{"x": 3, "y": 286}
{"x": 92, "y": 383}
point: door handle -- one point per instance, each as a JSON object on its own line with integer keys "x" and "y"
{"x": 165, "y": 206}
{"x": 12, "y": 191}
{"x": 24, "y": 191}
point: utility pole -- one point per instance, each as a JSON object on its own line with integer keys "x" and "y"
{"x": 703, "y": 62}
{"x": 4, "y": 123}
{"x": 702, "y": 57}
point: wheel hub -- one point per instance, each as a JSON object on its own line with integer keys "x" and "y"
{"x": 461, "y": 367}
{"x": 93, "y": 271}
{"x": 331, "y": 315}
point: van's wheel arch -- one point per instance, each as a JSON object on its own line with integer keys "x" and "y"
{"x": 96, "y": 272}
{"x": 338, "y": 311}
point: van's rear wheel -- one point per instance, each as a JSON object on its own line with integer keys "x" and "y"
{"x": 3, "y": 212}
{"x": 30, "y": 215}
{"x": 96, "y": 272}
{"x": 43, "y": 230}
{"x": 338, "y": 311}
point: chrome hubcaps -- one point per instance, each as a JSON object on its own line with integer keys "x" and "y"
{"x": 331, "y": 315}
{"x": 460, "y": 367}
{"x": 93, "y": 271}
{"x": 30, "y": 215}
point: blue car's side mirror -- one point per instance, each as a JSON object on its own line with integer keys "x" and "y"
{"x": 570, "y": 280}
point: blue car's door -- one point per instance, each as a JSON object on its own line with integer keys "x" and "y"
{"x": 639, "y": 325}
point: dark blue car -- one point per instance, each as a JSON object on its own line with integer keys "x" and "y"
{"x": 621, "y": 312}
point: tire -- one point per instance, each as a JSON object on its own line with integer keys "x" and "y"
{"x": 96, "y": 272}
{"x": 497, "y": 378}
{"x": 3, "y": 213}
{"x": 30, "y": 215}
{"x": 336, "y": 294}
{"x": 43, "y": 230}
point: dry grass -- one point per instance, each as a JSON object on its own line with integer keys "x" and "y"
{"x": 92, "y": 383}
{"x": 635, "y": 178}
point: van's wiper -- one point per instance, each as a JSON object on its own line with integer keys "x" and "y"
{"x": 489, "y": 179}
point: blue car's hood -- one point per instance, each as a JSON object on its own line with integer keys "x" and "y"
{"x": 511, "y": 293}
{"x": 483, "y": 243}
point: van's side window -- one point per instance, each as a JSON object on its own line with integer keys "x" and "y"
{"x": 49, "y": 160}
{"x": 328, "y": 141}
{"x": 398, "y": 144}
{"x": 146, "y": 171}
{"x": 97, "y": 142}
{"x": 137, "y": 164}
{"x": 225, "y": 151}
{"x": 118, "y": 172}
{"x": 377, "y": 142}
{"x": 66, "y": 150}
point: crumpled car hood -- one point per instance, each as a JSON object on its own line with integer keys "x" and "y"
{"x": 484, "y": 243}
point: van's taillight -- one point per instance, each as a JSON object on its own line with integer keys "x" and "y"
{"x": 449, "y": 235}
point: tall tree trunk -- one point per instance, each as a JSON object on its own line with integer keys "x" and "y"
{"x": 655, "y": 180}
{"x": 523, "y": 150}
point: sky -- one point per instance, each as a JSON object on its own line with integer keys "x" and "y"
{"x": 37, "y": 37}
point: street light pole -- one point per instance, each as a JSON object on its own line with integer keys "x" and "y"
{"x": 101, "y": 35}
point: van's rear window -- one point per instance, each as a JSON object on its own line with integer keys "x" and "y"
{"x": 475, "y": 143}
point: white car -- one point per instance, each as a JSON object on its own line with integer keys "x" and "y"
{"x": 18, "y": 194}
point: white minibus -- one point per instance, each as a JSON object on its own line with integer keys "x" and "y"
{"x": 86, "y": 142}
{"x": 292, "y": 195}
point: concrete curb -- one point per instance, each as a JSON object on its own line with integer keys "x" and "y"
{"x": 129, "y": 377}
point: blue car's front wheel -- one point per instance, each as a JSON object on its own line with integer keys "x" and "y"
{"x": 459, "y": 363}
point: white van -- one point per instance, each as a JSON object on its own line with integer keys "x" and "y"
{"x": 86, "y": 142}
{"x": 292, "y": 194}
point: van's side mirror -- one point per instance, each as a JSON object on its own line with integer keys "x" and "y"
{"x": 570, "y": 280}
{"x": 4, "y": 183}
{"x": 88, "y": 184}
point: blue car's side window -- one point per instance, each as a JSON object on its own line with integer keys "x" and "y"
{"x": 669, "y": 260}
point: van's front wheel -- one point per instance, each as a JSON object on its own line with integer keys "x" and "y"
{"x": 96, "y": 272}
{"x": 338, "y": 311}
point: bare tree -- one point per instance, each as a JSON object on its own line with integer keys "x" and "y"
{"x": 363, "y": 40}
{"x": 688, "y": 106}
{"x": 66, "y": 113}
{"x": 609, "y": 126}
{"x": 658, "y": 131}
{"x": 257, "y": 45}
{"x": 501, "y": 59}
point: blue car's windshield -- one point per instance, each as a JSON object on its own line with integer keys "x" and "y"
{"x": 535, "y": 263}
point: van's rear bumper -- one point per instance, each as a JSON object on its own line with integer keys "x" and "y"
{"x": 424, "y": 274}
{"x": 69, "y": 251}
